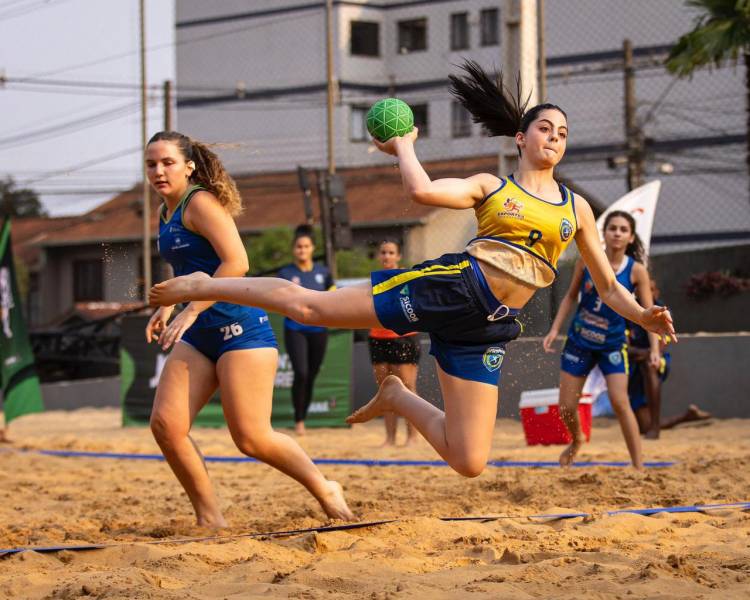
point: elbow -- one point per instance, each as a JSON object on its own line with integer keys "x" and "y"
{"x": 238, "y": 268}
{"x": 420, "y": 195}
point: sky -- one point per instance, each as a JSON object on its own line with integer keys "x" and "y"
{"x": 71, "y": 126}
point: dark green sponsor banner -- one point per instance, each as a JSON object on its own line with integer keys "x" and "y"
{"x": 20, "y": 384}
{"x": 141, "y": 365}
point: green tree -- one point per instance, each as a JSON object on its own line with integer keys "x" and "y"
{"x": 721, "y": 33}
{"x": 16, "y": 202}
{"x": 355, "y": 263}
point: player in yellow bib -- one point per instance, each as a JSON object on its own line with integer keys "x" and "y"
{"x": 466, "y": 301}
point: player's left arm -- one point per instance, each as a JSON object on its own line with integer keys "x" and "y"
{"x": 642, "y": 283}
{"x": 210, "y": 219}
{"x": 656, "y": 319}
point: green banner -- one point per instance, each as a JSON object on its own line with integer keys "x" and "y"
{"x": 141, "y": 365}
{"x": 20, "y": 385}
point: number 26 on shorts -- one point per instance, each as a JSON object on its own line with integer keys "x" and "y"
{"x": 231, "y": 331}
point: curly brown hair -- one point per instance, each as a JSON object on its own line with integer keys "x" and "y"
{"x": 209, "y": 173}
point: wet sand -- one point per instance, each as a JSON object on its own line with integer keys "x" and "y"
{"x": 49, "y": 500}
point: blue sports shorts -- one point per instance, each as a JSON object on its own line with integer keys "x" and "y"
{"x": 449, "y": 298}
{"x": 578, "y": 362}
{"x": 253, "y": 331}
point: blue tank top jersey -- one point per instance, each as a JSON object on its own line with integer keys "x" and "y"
{"x": 319, "y": 279}
{"x": 189, "y": 252}
{"x": 595, "y": 325}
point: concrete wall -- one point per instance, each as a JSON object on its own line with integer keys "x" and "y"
{"x": 708, "y": 370}
{"x": 672, "y": 272}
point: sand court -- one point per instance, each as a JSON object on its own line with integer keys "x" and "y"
{"x": 49, "y": 500}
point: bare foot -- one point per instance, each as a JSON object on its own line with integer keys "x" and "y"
{"x": 652, "y": 434}
{"x": 412, "y": 440}
{"x": 214, "y": 522}
{"x": 299, "y": 428}
{"x": 388, "y": 443}
{"x": 694, "y": 413}
{"x": 174, "y": 291}
{"x": 334, "y": 504}
{"x": 569, "y": 454}
{"x": 381, "y": 403}
{"x": 4, "y": 437}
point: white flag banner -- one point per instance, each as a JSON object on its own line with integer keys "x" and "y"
{"x": 641, "y": 203}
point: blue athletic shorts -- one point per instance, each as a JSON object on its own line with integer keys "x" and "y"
{"x": 636, "y": 389}
{"x": 253, "y": 331}
{"x": 579, "y": 362}
{"x": 448, "y": 298}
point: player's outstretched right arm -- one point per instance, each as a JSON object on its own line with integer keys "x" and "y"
{"x": 450, "y": 192}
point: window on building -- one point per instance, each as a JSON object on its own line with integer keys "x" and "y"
{"x": 412, "y": 35}
{"x": 421, "y": 119}
{"x": 489, "y": 27}
{"x": 364, "y": 39}
{"x": 459, "y": 31}
{"x": 460, "y": 121}
{"x": 358, "y": 124}
{"x": 88, "y": 280}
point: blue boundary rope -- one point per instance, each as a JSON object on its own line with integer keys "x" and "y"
{"x": 353, "y": 461}
{"x": 550, "y": 517}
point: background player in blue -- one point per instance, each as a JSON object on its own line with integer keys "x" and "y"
{"x": 597, "y": 335}
{"x": 466, "y": 304}
{"x": 220, "y": 345}
{"x": 305, "y": 344}
{"x": 645, "y": 383}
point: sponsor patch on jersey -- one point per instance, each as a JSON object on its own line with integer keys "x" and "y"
{"x": 592, "y": 336}
{"x": 493, "y": 358}
{"x": 566, "y": 230}
{"x": 571, "y": 357}
{"x": 512, "y": 209}
{"x": 319, "y": 278}
{"x": 615, "y": 358}
{"x": 296, "y": 280}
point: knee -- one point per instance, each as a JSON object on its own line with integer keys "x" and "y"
{"x": 163, "y": 430}
{"x": 620, "y": 404}
{"x": 469, "y": 466}
{"x": 253, "y": 446}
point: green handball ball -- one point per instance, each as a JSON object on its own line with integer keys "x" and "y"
{"x": 388, "y": 118}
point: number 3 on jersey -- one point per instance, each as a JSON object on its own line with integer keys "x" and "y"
{"x": 231, "y": 331}
{"x": 534, "y": 236}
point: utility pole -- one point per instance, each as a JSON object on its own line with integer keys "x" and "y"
{"x": 633, "y": 133}
{"x": 146, "y": 187}
{"x": 542, "y": 95}
{"x": 325, "y": 205}
{"x": 167, "y": 105}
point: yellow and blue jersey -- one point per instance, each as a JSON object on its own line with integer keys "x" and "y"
{"x": 524, "y": 235}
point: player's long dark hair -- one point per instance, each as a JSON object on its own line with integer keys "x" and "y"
{"x": 635, "y": 248}
{"x": 209, "y": 173}
{"x": 491, "y": 104}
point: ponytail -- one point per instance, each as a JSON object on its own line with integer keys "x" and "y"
{"x": 209, "y": 172}
{"x": 492, "y": 105}
{"x": 488, "y": 100}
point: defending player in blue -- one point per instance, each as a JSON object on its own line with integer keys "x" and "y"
{"x": 467, "y": 301}
{"x": 597, "y": 335}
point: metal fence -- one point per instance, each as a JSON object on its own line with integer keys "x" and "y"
{"x": 255, "y": 79}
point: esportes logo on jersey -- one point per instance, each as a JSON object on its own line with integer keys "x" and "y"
{"x": 493, "y": 358}
{"x": 566, "y": 230}
{"x": 512, "y": 209}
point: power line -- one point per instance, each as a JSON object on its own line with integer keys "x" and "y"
{"x": 79, "y": 166}
{"x": 73, "y": 126}
{"x": 24, "y": 10}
